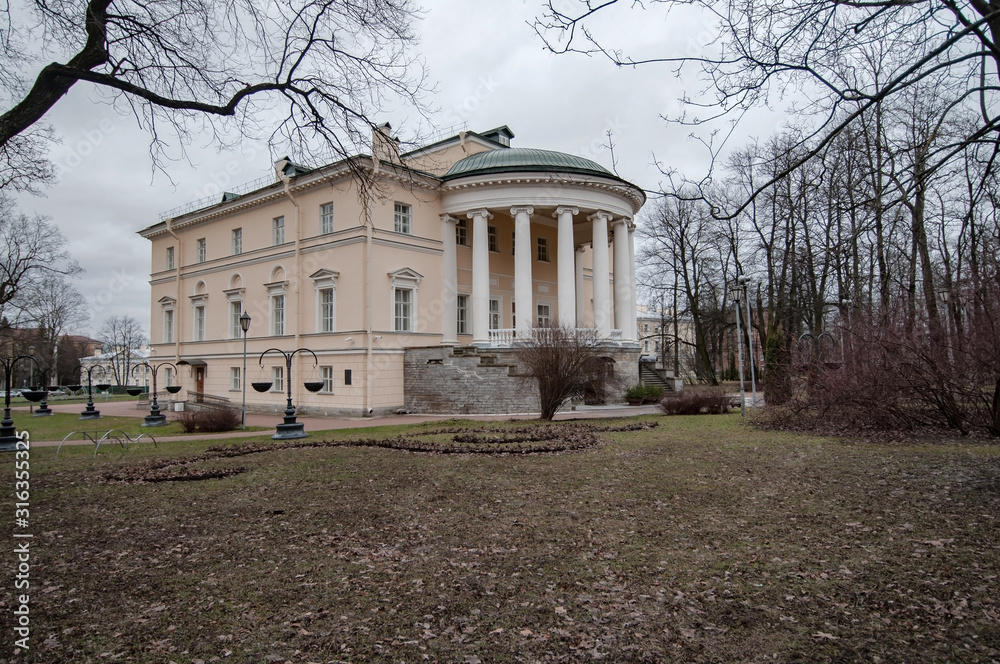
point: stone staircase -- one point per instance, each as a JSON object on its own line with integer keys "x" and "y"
{"x": 648, "y": 375}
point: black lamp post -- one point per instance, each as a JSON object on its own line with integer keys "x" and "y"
{"x": 91, "y": 413}
{"x": 290, "y": 428}
{"x": 43, "y": 409}
{"x": 8, "y": 433}
{"x": 155, "y": 417}
{"x": 245, "y": 326}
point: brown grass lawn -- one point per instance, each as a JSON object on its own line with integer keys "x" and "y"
{"x": 700, "y": 540}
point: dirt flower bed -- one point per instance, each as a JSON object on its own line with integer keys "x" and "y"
{"x": 698, "y": 540}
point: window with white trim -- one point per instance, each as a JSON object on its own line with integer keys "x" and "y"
{"x": 201, "y": 250}
{"x": 326, "y": 218}
{"x": 462, "y": 233}
{"x": 168, "y": 326}
{"x": 494, "y": 313}
{"x": 325, "y": 283}
{"x": 402, "y": 218}
{"x": 199, "y": 322}
{"x": 168, "y": 376}
{"x": 234, "y": 378}
{"x": 491, "y": 234}
{"x": 402, "y": 309}
{"x": 543, "y": 315}
{"x": 235, "y": 311}
{"x": 278, "y": 314}
{"x": 278, "y": 226}
{"x": 404, "y": 299}
{"x": 462, "y": 305}
{"x": 543, "y": 249}
{"x": 277, "y": 379}
{"x": 170, "y": 258}
{"x": 237, "y": 241}
{"x": 326, "y": 375}
{"x": 326, "y": 309}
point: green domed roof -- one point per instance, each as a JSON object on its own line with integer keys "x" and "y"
{"x": 507, "y": 160}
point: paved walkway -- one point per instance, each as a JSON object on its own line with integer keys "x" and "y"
{"x": 129, "y": 409}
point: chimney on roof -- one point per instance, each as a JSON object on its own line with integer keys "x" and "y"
{"x": 385, "y": 147}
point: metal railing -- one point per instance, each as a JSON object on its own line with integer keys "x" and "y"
{"x": 507, "y": 337}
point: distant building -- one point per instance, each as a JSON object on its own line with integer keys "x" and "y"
{"x": 409, "y": 275}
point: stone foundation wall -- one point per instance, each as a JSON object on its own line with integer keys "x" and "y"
{"x": 487, "y": 381}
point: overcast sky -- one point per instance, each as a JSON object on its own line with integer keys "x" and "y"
{"x": 489, "y": 69}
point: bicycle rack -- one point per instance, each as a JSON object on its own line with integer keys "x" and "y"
{"x": 108, "y": 435}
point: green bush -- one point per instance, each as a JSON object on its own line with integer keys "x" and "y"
{"x": 636, "y": 392}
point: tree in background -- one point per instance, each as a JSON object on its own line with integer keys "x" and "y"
{"x": 52, "y": 308}
{"x": 32, "y": 250}
{"x": 564, "y": 362}
{"x": 121, "y": 337}
{"x": 175, "y": 66}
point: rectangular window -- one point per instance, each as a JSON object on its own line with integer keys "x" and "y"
{"x": 494, "y": 314}
{"x": 403, "y": 309}
{"x": 234, "y": 378}
{"x": 235, "y": 311}
{"x": 491, "y": 232}
{"x": 347, "y": 376}
{"x": 462, "y": 233}
{"x": 543, "y": 315}
{"x": 199, "y": 323}
{"x": 326, "y": 218}
{"x": 463, "y": 314}
{"x": 168, "y": 326}
{"x": 201, "y": 252}
{"x": 278, "y": 315}
{"x": 277, "y": 379}
{"x": 170, "y": 258}
{"x": 543, "y": 249}
{"x": 326, "y": 310}
{"x": 168, "y": 378}
{"x": 513, "y": 242}
{"x": 237, "y": 241}
{"x": 278, "y": 224}
{"x": 403, "y": 218}
{"x": 326, "y": 375}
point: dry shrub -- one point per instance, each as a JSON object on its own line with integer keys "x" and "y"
{"x": 705, "y": 402}
{"x": 902, "y": 373}
{"x": 209, "y": 420}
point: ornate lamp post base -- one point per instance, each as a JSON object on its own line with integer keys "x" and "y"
{"x": 289, "y": 430}
{"x": 8, "y": 434}
{"x": 157, "y": 420}
{"x": 43, "y": 411}
{"x": 90, "y": 413}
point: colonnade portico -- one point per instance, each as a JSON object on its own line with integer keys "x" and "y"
{"x": 570, "y": 299}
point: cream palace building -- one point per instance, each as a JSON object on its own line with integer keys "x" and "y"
{"x": 390, "y": 266}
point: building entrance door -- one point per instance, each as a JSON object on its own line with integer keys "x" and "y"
{"x": 199, "y": 383}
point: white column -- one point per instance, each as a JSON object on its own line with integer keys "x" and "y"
{"x": 602, "y": 290}
{"x": 522, "y": 270}
{"x": 634, "y": 336}
{"x": 623, "y": 266}
{"x": 449, "y": 282}
{"x": 581, "y": 309}
{"x": 480, "y": 277}
{"x": 566, "y": 269}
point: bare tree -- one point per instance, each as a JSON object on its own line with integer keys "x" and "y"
{"x": 309, "y": 75}
{"x": 836, "y": 62}
{"x": 120, "y": 337}
{"x": 32, "y": 249}
{"x": 52, "y": 306}
{"x": 564, "y": 362}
